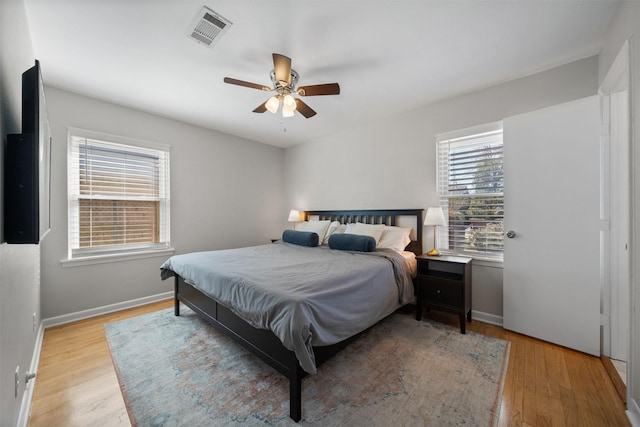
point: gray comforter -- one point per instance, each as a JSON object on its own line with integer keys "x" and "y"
{"x": 305, "y": 296}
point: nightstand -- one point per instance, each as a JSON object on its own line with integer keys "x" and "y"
{"x": 444, "y": 283}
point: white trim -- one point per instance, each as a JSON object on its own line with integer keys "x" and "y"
{"x": 633, "y": 371}
{"x": 472, "y": 130}
{"x": 107, "y": 137}
{"x": 619, "y": 288}
{"x": 482, "y": 137}
{"x": 27, "y": 396}
{"x": 617, "y": 77}
{"x": 633, "y": 413}
{"x": 75, "y": 136}
{"x": 477, "y": 259}
{"x": 103, "y": 259}
{"x": 93, "y": 312}
{"x": 605, "y": 224}
{"x": 486, "y": 317}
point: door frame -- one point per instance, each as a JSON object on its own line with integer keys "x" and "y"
{"x": 615, "y": 208}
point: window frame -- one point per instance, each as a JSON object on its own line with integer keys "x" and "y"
{"x": 97, "y": 254}
{"x": 442, "y": 182}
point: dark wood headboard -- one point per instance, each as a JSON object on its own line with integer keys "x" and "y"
{"x": 376, "y": 216}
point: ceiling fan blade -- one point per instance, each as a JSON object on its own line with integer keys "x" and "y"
{"x": 245, "y": 84}
{"x": 325, "y": 89}
{"x": 261, "y": 108}
{"x": 282, "y": 67}
{"x": 304, "y": 109}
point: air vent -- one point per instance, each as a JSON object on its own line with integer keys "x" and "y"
{"x": 208, "y": 27}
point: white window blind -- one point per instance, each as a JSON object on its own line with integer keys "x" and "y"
{"x": 118, "y": 196}
{"x": 470, "y": 187}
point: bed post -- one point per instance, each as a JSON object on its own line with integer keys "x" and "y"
{"x": 176, "y": 301}
{"x": 295, "y": 393}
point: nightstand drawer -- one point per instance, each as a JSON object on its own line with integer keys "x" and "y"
{"x": 442, "y": 291}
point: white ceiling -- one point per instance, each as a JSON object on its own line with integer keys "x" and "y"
{"x": 388, "y": 56}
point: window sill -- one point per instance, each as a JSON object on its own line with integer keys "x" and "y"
{"x": 104, "y": 259}
{"x": 478, "y": 260}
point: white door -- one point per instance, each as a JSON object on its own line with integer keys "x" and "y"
{"x": 551, "y": 188}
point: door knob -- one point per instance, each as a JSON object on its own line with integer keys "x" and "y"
{"x": 511, "y": 234}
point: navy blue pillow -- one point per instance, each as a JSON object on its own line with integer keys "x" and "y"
{"x": 301, "y": 238}
{"x": 352, "y": 242}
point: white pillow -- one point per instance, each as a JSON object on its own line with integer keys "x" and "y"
{"x": 396, "y": 238}
{"x": 334, "y": 227}
{"x": 319, "y": 227}
{"x": 373, "y": 230}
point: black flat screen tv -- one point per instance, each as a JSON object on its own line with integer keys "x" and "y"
{"x": 27, "y": 167}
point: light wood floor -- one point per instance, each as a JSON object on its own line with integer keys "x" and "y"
{"x": 546, "y": 385}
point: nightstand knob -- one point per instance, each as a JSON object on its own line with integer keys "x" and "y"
{"x": 437, "y": 291}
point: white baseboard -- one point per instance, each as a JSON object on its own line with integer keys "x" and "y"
{"x": 25, "y": 408}
{"x": 486, "y": 317}
{"x": 27, "y": 396}
{"x": 633, "y": 412}
{"x": 93, "y": 312}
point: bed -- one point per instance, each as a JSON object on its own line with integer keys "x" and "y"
{"x": 294, "y": 328}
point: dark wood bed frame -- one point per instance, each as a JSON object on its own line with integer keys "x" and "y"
{"x": 262, "y": 342}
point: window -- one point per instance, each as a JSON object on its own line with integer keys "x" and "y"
{"x": 470, "y": 188}
{"x": 118, "y": 195}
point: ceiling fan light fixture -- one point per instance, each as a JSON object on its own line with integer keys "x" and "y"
{"x": 285, "y": 80}
{"x": 287, "y": 111}
{"x": 289, "y": 102}
{"x": 272, "y": 104}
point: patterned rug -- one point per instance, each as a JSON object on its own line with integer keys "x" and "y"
{"x": 180, "y": 371}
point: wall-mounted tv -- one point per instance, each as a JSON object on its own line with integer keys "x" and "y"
{"x": 27, "y": 167}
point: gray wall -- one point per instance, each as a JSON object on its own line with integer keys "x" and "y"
{"x": 19, "y": 264}
{"x": 391, "y": 163}
{"x": 225, "y": 192}
{"x": 626, "y": 25}
{"x": 228, "y": 192}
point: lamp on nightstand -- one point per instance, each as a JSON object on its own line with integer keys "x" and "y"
{"x": 294, "y": 216}
{"x": 435, "y": 217}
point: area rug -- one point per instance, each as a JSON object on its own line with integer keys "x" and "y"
{"x": 180, "y": 371}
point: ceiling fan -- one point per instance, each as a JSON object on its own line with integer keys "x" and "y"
{"x": 284, "y": 85}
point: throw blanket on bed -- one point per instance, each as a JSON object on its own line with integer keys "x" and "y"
{"x": 305, "y": 296}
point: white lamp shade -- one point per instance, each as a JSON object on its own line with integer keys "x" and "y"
{"x": 435, "y": 216}
{"x": 289, "y": 101}
{"x": 294, "y": 215}
{"x": 272, "y": 104}
{"x": 287, "y": 111}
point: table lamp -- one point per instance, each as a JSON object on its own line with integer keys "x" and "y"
{"x": 434, "y": 217}
{"x": 294, "y": 216}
